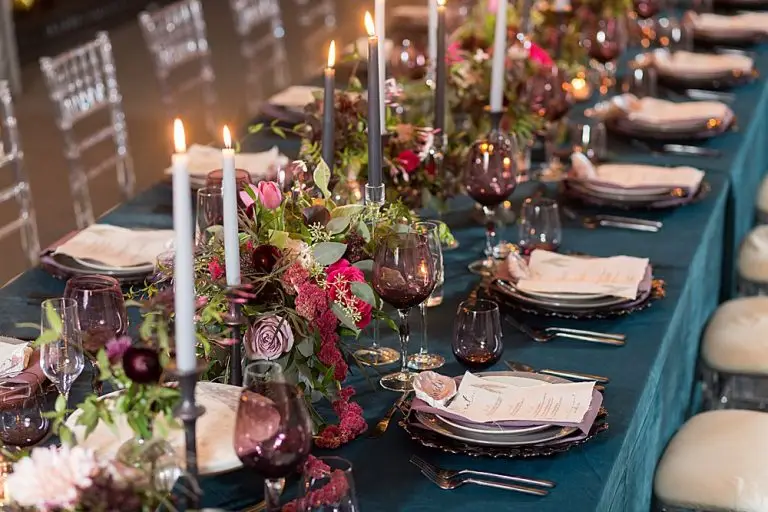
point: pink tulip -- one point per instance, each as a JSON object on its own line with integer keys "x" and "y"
{"x": 493, "y": 5}
{"x": 540, "y": 55}
{"x": 269, "y": 194}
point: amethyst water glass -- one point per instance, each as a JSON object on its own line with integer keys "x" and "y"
{"x": 404, "y": 277}
{"x": 273, "y": 430}
{"x": 605, "y": 41}
{"x": 477, "y": 336}
{"x": 540, "y": 226}
{"x": 100, "y": 308}
{"x": 550, "y": 98}
{"x": 490, "y": 177}
{"x": 210, "y": 214}
{"x": 22, "y": 423}
{"x": 329, "y": 488}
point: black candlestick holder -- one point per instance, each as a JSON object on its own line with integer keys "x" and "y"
{"x": 235, "y": 320}
{"x": 188, "y": 412}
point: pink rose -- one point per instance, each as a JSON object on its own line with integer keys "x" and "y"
{"x": 453, "y": 53}
{"x": 268, "y": 338}
{"x": 539, "y": 55}
{"x": 270, "y": 194}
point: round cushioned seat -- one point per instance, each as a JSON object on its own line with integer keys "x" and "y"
{"x": 736, "y": 338}
{"x": 753, "y": 255}
{"x": 762, "y": 201}
{"x": 717, "y": 461}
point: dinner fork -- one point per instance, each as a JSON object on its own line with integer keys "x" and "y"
{"x": 452, "y": 473}
{"x": 544, "y": 337}
{"x": 447, "y": 484}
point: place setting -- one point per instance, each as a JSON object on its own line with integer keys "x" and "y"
{"x": 701, "y": 72}
{"x": 740, "y": 30}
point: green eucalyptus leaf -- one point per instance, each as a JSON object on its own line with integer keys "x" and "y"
{"x": 347, "y": 210}
{"x": 364, "y": 265}
{"x": 53, "y": 319}
{"x": 65, "y": 435}
{"x": 278, "y": 238}
{"x": 47, "y": 336}
{"x": 61, "y": 404}
{"x": 328, "y": 253}
{"x": 364, "y": 292}
{"x": 322, "y": 177}
{"x": 338, "y": 225}
{"x": 363, "y": 231}
{"x": 344, "y": 318}
{"x": 306, "y": 347}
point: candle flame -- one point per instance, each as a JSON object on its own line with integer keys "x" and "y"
{"x": 179, "y": 140}
{"x": 332, "y": 54}
{"x": 441, "y": 3}
{"x": 369, "y": 26}
{"x": 227, "y": 138}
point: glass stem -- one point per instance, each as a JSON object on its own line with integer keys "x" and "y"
{"x": 405, "y": 334}
{"x": 424, "y": 349}
{"x": 490, "y": 233}
{"x": 273, "y": 488}
{"x": 375, "y": 335}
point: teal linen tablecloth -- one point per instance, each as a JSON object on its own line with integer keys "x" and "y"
{"x": 652, "y": 377}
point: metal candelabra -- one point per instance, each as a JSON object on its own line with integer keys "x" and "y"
{"x": 235, "y": 321}
{"x": 188, "y": 412}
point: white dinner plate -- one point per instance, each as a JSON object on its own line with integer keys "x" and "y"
{"x": 629, "y": 192}
{"x": 215, "y": 430}
{"x": 97, "y": 265}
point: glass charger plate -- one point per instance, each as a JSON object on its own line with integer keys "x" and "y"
{"x": 520, "y": 379}
{"x": 431, "y": 439}
{"x": 578, "y": 194}
{"x": 65, "y": 267}
{"x": 698, "y": 131}
{"x": 622, "y": 193}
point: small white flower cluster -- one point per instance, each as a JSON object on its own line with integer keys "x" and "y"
{"x": 347, "y": 301}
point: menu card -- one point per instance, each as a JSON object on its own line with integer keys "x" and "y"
{"x": 550, "y": 272}
{"x": 481, "y": 401}
{"x": 14, "y": 356}
{"x": 116, "y": 246}
{"x": 636, "y": 175}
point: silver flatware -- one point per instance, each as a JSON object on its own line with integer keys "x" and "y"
{"x": 613, "y": 221}
{"x": 383, "y": 424}
{"x": 734, "y": 51}
{"x": 582, "y": 331}
{"x": 594, "y": 222}
{"x": 585, "y": 377}
{"x": 704, "y": 95}
{"x": 449, "y": 484}
{"x": 691, "y": 150}
{"x": 544, "y": 337}
{"x": 453, "y": 473}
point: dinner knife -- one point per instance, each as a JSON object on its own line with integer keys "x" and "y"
{"x": 684, "y": 149}
{"x": 631, "y": 220}
{"x": 702, "y": 95}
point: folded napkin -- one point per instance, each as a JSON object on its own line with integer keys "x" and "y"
{"x": 14, "y": 356}
{"x": 116, "y": 246}
{"x": 204, "y": 159}
{"x": 584, "y": 424}
{"x": 656, "y": 113}
{"x": 13, "y": 385}
{"x": 719, "y": 24}
{"x": 550, "y": 272}
{"x": 296, "y": 97}
{"x": 635, "y": 176}
{"x": 700, "y": 65}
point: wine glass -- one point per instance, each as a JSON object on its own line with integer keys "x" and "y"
{"x": 477, "y": 334}
{"x": 540, "y": 226}
{"x": 403, "y": 276}
{"x": 331, "y": 489}
{"x": 641, "y": 81}
{"x": 605, "y": 41}
{"x": 591, "y": 139}
{"x": 273, "y": 430}
{"x": 550, "y": 98}
{"x": 22, "y": 423}
{"x": 210, "y": 213}
{"x": 490, "y": 178}
{"x": 100, "y": 309}
{"x": 62, "y": 360}
{"x": 423, "y": 360}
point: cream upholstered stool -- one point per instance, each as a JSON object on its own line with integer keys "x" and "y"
{"x": 716, "y": 462}
{"x": 753, "y": 262}
{"x": 762, "y": 202}
{"x": 734, "y": 355}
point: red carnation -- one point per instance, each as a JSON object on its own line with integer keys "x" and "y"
{"x": 215, "y": 269}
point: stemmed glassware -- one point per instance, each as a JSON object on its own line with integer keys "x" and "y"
{"x": 210, "y": 213}
{"x": 550, "y": 98}
{"x": 273, "y": 430}
{"x": 22, "y": 423}
{"x": 424, "y": 360}
{"x": 100, "y": 309}
{"x": 404, "y": 277}
{"x": 540, "y": 226}
{"x": 591, "y": 139}
{"x": 62, "y": 360}
{"x": 331, "y": 489}
{"x": 605, "y": 41}
{"x": 477, "y": 336}
{"x": 490, "y": 178}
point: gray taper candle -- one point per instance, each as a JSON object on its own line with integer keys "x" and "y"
{"x": 374, "y": 117}
{"x": 329, "y": 109}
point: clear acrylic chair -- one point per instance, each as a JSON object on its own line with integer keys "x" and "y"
{"x": 81, "y": 83}
{"x": 176, "y": 38}
{"x": 317, "y": 21}
{"x": 259, "y": 25}
{"x": 12, "y": 157}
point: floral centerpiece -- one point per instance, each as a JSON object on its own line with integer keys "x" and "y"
{"x": 305, "y": 294}
{"x": 410, "y": 166}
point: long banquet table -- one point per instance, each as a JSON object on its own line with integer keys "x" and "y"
{"x": 652, "y": 377}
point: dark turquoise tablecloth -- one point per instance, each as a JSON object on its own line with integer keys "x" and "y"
{"x": 652, "y": 377}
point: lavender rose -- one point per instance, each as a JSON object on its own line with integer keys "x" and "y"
{"x": 268, "y": 338}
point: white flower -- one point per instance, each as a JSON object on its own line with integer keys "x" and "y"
{"x": 480, "y": 56}
{"x": 517, "y": 52}
{"x": 52, "y": 478}
{"x": 301, "y": 252}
